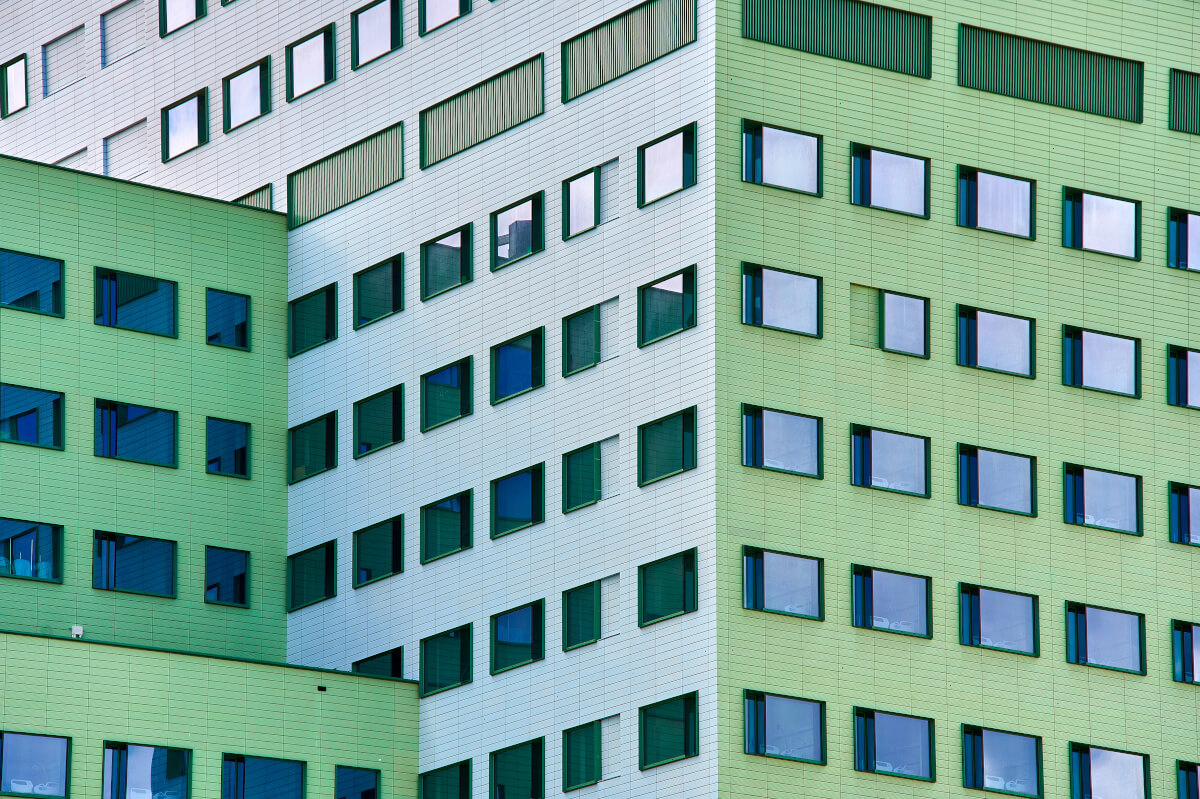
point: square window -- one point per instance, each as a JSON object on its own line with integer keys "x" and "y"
{"x": 1183, "y": 239}
{"x": 312, "y": 575}
{"x": 996, "y": 342}
{"x": 30, "y": 549}
{"x": 446, "y": 527}
{"x": 777, "y": 582}
{"x": 176, "y": 14}
{"x": 581, "y": 477}
{"x": 519, "y": 771}
{"x": 581, "y": 203}
{"x": 447, "y": 782}
{"x": 781, "y": 300}
{"x": 379, "y": 421}
{"x": 668, "y": 731}
{"x": 1099, "y": 498}
{"x": 667, "y": 588}
{"x": 667, "y": 306}
{"x": 996, "y": 480}
{"x": 135, "y": 302}
{"x": 31, "y": 416}
{"x": 243, "y": 777}
{"x": 446, "y": 394}
{"x": 1183, "y": 377}
{"x": 246, "y": 94}
{"x": 1003, "y": 620}
{"x": 385, "y": 664}
{"x": 581, "y": 616}
{"x": 228, "y": 319}
{"x": 785, "y": 727}
{"x": 785, "y": 159}
{"x": 582, "y": 764}
{"x": 1185, "y": 514}
{"x": 890, "y": 181}
{"x": 14, "y": 86}
{"x": 312, "y": 320}
{"x": 889, "y": 461}
{"x": 31, "y": 283}
{"x": 379, "y": 290}
{"x": 1185, "y": 649}
{"x": 133, "y": 564}
{"x": 1004, "y": 762}
{"x": 436, "y": 13}
{"x": 446, "y": 262}
{"x": 518, "y": 636}
{"x": 518, "y": 500}
{"x": 379, "y": 551}
{"x": 142, "y": 770}
{"x": 310, "y": 63}
{"x": 1189, "y": 779}
{"x": 136, "y": 433}
{"x": 34, "y": 761}
{"x": 312, "y": 448}
{"x": 904, "y": 324}
{"x": 518, "y": 231}
{"x": 226, "y": 576}
{"x": 1103, "y": 224}
{"x": 518, "y": 366}
{"x": 375, "y": 31}
{"x": 893, "y": 602}
{"x": 356, "y": 783}
{"x": 667, "y": 165}
{"x": 581, "y": 340}
{"x": 998, "y": 203}
{"x": 185, "y": 125}
{"x": 781, "y": 441}
{"x": 1102, "y": 362}
{"x": 667, "y": 447}
{"x": 1110, "y": 639}
{"x": 228, "y": 448}
{"x": 892, "y": 743}
{"x": 446, "y": 663}
{"x": 1098, "y": 773}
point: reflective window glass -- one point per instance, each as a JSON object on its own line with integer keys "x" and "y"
{"x": 582, "y": 209}
{"x": 782, "y": 158}
{"x": 663, "y": 167}
{"x": 132, "y": 563}
{"x": 1003, "y": 203}
{"x": 782, "y": 300}
{"x": 33, "y": 764}
{"x": 517, "y": 232}
{"x": 517, "y": 366}
{"x": 357, "y": 783}
{"x": 435, "y": 13}
{"x": 311, "y": 576}
{"x": 782, "y": 726}
{"x": 179, "y": 13}
{"x": 226, "y": 576}
{"x": 135, "y": 302}
{"x": 228, "y": 319}
{"x": 898, "y": 182}
{"x": 379, "y": 421}
{"x": 146, "y": 771}
{"x": 1005, "y": 481}
{"x": 898, "y": 462}
{"x": 445, "y": 660}
{"x": 379, "y": 291}
{"x": 228, "y": 447}
{"x": 1193, "y": 379}
{"x": 312, "y": 448}
{"x": 1109, "y": 225}
{"x": 30, "y": 549}
{"x": 31, "y": 283}
{"x": 785, "y": 441}
{"x": 1007, "y": 620}
{"x": 373, "y": 35}
{"x": 15, "y": 92}
{"x": 1116, "y": 774}
{"x": 245, "y": 777}
{"x": 783, "y": 583}
{"x": 517, "y": 501}
{"x": 31, "y": 416}
{"x": 446, "y": 262}
{"x": 1003, "y": 342}
{"x": 666, "y": 306}
{"x": 379, "y": 551}
{"x": 135, "y": 433}
{"x": 307, "y": 69}
{"x": 1003, "y": 761}
{"x": 446, "y": 394}
{"x": 1113, "y": 639}
{"x": 446, "y": 526}
{"x": 905, "y": 324}
{"x": 184, "y": 123}
{"x": 902, "y": 746}
{"x": 385, "y": 664}
{"x": 517, "y": 637}
{"x": 1110, "y": 500}
{"x": 899, "y": 602}
{"x": 1192, "y": 242}
{"x": 1109, "y": 363}
{"x": 244, "y": 96}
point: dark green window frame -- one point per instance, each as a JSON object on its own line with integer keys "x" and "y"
{"x": 396, "y": 395}
{"x": 689, "y": 724}
{"x": 1178, "y": 255}
{"x": 1081, "y": 769}
{"x": 537, "y": 643}
{"x": 330, "y": 51}
{"x": 968, "y": 201}
{"x": 107, "y": 294}
{"x": 537, "y": 501}
{"x": 201, "y": 124}
{"x": 537, "y": 241}
{"x": 234, "y": 778}
{"x": 973, "y": 761}
{"x": 588, "y": 317}
{"x": 881, "y": 316}
{"x": 391, "y": 662}
{"x": 860, "y": 460}
{"x": 11, "y": 529}
{"x": 396, "y": 32}
{"x": 464, "y": 8}
{"x": 391, "y": 530}
{"x": 264, "y": 93}
{"x": 687, "y": 447}
{"x": 116, "y": 756}
{"x": 242, "y": 470}
{"x": 968, "y": 340}
{"x": 56, "y": 287}
{"x": 357, "y": 791}
{"x": 427, "y": 787}
{"x": 687, "y": 587}
{"x": 596, "y": 174}
{"x": 537, "y": 375}
{"x": 753, "y": 299}
{"x": 755, "y": 729}
{"x": 465, "y": 260}
{"x": 754, "y": 441}
{"x": 395, "y": 265}
{"x": 864, "y": 744}
{"x": 1077, "y": 643}
{"x": 1177, "y": 377}
{"x": 754, "y": 581}
{"x": 537, "y": 775}
{"x": 37, "y": 768}
{"x": 329, "y": 421}
{"x": 688, "y": 166}
{"x": 209, "y": 336}
{"x": 104, "y": 566}
{"x": 465, "y": 658}
{"x": 466, "y": 519}
{"x": 1180, "y": 504}
{"x": 589, "y": 593}
{"x": 107, "y": 443}
{"x": 969, "y": 633}
{"x": 586, "y": 457}
{"x": 1183, "y": 639}
{"x": 1073, "y": 222}
{"x": 1075, "y": 499}
{"x": 582, "y": 756}
{"x": 466, "y": 391}
{"x": 752, "y": 156}
{"x": 10, "y": 425}
{"x": 245, "y": 586}
{"x": 5, "y": 111}
{"x": 687, "y": 316}
{"x": 1189, "y": 777}
{"x": 1073, "y": 360}
{"x": 860, "y": 183}
{"x": 328, "y": 553}
{"x": 329, "y": 318}
{"x": 968, "y": 479}
{"x": 201, "y": 11}
{"x": 864, "y": 601}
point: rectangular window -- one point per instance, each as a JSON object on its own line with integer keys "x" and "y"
{"x": 1099, "y": 498}
{"x": 246, "y": 94}
{"x": 31, "y": 283}
{"x": 379, "y": 421}
{"x": 447, "y": 782}
{"x": 777, "y": 582}
{"x": 1185, "y": 514}
{"x": 1186, "y": 647}
{"x": 135, "y": 302}
{"x": 385, "y": 664}
{"x": 310, "y": 63}
{"x": 185, "y": 125}
{"x": 518, "y": 231}
{"x": 375, "y": 31}
{"x": 519, "y": 771}
{"x": 133, "y": 564}
{"x": 30, "y": 549}
{"x": 226, "y": 574}
{"x": 176, "y": 14}
{"x": 131, "y": 770}
{"x": 518, "y": 365}
{"x": 228, "y": 318}
{"x": 446, "y": 527}
{"x": 312, "y": 448}
{"x": 782, "y": 158}
{"x": 581, "y": 616}
{"x": 893, "y": 743}
{"x": 785, "y": 727}
{"x": 1097, "y": 772}
{"x": 989, "y": 478}
{"x": 1100, "y": 223}
{"x": 667, "y": 306}
{"x": 518, "y": 500}
{"x": 903, "y": 324}
{"x": 31, "y": 416}
{"x": 1102, "y": 362}
{"x": 667, "y": 447}
{"x": 446, "y": 262}
{"x": 446, "y": 663}
{"x": 889, "y": 461}
{"x": 998, "y": 203}
{"x": 581, "y": 203}
{"x": 581, "y": 477}
{"x": 14, "y": 86}
{"x": 121, "y": 32}
{"x": 781, "y": 441}
{"x": 890, "y": 181}
{"x": 667, "y": 588}
{"x": 63, "y": 62}
{"x": 246, "y": 777}
{"x": 1004, "y": 762}
{"x": 667, "y": 165}
{"x": 1183, "y": 238}
{"x": 1189, "y": 773}
{"x": 1183, "y": 377}
{"x": 518, "y": 636}
{"x": 124, "y": 152}
{"x": 312, "y": 575}
{"x": 312, "y": 320}
{"x": 781, "y": 300}
{"x": 582, "y": 763}
{"x": 356, "y": 783}
{"x": 1109, "y": 639}
{"x": 993, "y": 619}
{"x": 34, "y": 764}
{"x": 446, "y": 394}
{"x": 136, "y": 433}
{"x": 336, "y": 180}
{"x": 996, "y": 342}
{"x": 581, "y": 341}
{"x": 228, "y": 447}
{"x": 668, "y": 731}
{"x": 893, "y": 602}
{"x": 436, "y": 13}
{"x": 379, "y": 551}
{"x": 379, "y": 290}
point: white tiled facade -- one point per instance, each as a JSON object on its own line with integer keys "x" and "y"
{"x": 631, "y": 666}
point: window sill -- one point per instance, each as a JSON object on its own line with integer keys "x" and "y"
{"x": 291, "y": 98}
{"x": 1139, "y": 673}
{"x": 355, "y": 584}
{"x": 1135, "y": 533}
{"x": 369, "y": 322}
{"x": 818, "y": 193}
{"x": 926, "y": 636}
{"x": 219, "y": 603}
{"x": 174, "y": 335}
{"x": 494, "y": 535}
{"x": 592, "y": 365}
{"x": 424, "y": 693}
{"x": 426, "y": 428}
{"x": 909, "y": 214}
{"x": 1135, "y": 395}
{"x": 645, "y": 203}
{"x": 228, "y": 474}
{"x": 227, "y": 346}
{"x": 521, "y": 393}
{"x": 61, "y": 315}
{"x": 495, "y": 671}
{"x": 675, "y": 615}
{"x": 922, "y": 355}
{"x": 59, "y": 448}
{"x": 30, "y": 578}
{"x": 164, "y": 33}
{"x": 373, "y": 450}
{"x": 440, "y": 556}
{"x": 310, "y": 604}
{"x": 583, "y": 505}
{"x": 926, "y": 495}
{"x": 568, "y": 237}
{"x": 135, "y": 460}
{"x": 657, "y": 763}
{"x": 356, "y": 65}
{"x": 134, "y": 593}
{"x": 818, "y": 334}
{"x": 293, "y": 481}
{"x": 1030, "y": 237}
{"x": 901, "y": 776}
{"x": 1031, "y": 376}
{"x": 169, "y": 158}
{"x": 1028, "y": 514}
{"x": 818, "y": 476}
{"x": 1034, "y": 654}
{"x": 225, "y": 127}
{"x": 310, "y": 347}
{"x": 426, "y": 297}
{"x": 580, "y": 645}
{"x": 773, "y": 611}
{"x": 643, "y": 483}
{"x": 1136, "y": 257}
{"x": 786, "y": 757}
{"x": 496, "y": 266}
{"x": 426, "y": 31}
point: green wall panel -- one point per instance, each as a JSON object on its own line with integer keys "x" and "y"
{"x": 349, "y": 174}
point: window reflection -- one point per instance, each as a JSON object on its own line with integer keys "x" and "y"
{"x": 899, "y": 603}
{"x": 245, "y": 96}
{"x": 1109, "y": 225}
{"x": 904, "y": 324}
{"x": 308, "y": 64}
{"x": 1117, "y": 775}
{"x": 1110, "y": 500}
{"x": 1006, "y": 620}
{"x": 1003, "y": 204}
{"x": 897, "y": 462}
{"x": 1005, "y": 481}
{"x": 793, "y": 728}
{"x": 1002, "y": 342}
{"x": 789, "y": 301}
{"x": 897, "y": 182}
{"x": 1010, "y": 763}
{"x": 789, "y": 159}
{"x": 791, "y": 584}
{"x": 1109, "y": 363}
{"x": 902, "y": 745}
{"x": 662, "y": 165}
{"x": 581, "y": 201}
{"x": 1113, "y": 639}
{"x": 789, "y": 442}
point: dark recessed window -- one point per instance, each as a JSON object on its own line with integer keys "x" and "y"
{"x": 310, "y": 63}
{"x": 667, "y": 446}
{"x": 518, "y": 231}
{"x": 226, "y": 576}
{"x": 1183, "y": 239}
{"x": 667, "y": 588}
{"x": 519, "y": 365}
{"x": 668, "y": 731}
{"x": 228, "y": 319}
{"x": 1183, "y": 376}
{"x": 893, "y": 602}
{"x": 1189, "y": 779}
{"x": 581, "y": 477}
{"x": 31, "y": 283}
{"x": 667, "y": 306}
{"x": 894, "y": 744}
{"x": 519, "y": 770}
{"x": 312, "y": 447}
{"x": 890, "y": 461}
{"x": 1185, "y": 648}
{"x": 228, "y": 447}
{"x": 999, "y": 203}
{"x": 1099, "y": 498}
{"x": 989, "y": 478}
{"x": 1185, "y": 514}
{"x": 185, "y": 125}
{"x": 447, "y": 782}
{"x": 667, "y": 165}
{"x": 1004, "y": 762}
{"x": 30, "y": 549}
{"x": 781, "y": 300}
{"x": 385, "y": 664}
{"x": 147, "y": 770}
{"x": 518, "y": 636}
{"x": 446, "y": 527}
{"x": 777, "y": 582}
{"x": 31, "y": 416}
{"x": 779, "y": 157}
{"x": 581, "y": 616}
{"x": 518, "y": 500}
{"x": 135, "y": 302}
{"x": 375, "y": 31}
{"x": 1102, "y": 362}
{"x": 34, "y": 761}
{"x": 134, "y": 564}
{"x": 446, "y": 262}
{"x": 379, "y": 289}
{"x": 1100, "y": 223}
{"x": 312, "y": 320}
{"x": 781, "y": 441}
{"x": 1110, "y": 639}
{"x": 379, "y": 421}
{"x": 379, "y": 551}
{"x": 246, "y": 777}
{"x": 996, "y": 342}
{"x": 247, "y": 94}
{"x": 888, "y": 180}
{"x": 993, "y": 619}
{"x": 582, "y": 762}
{"x": 445, "y": 660}
{"x": 785, "y": 727}
{"x": 357, "y": 783}
{"x": 135, "y": 433}
{"x": 581, "y": 340}
{"x": 446, "y": 394}
{"x": 1097, "y": 773}
{"x": 312, "y": 575}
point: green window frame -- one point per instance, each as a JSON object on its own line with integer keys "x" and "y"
{"x": 112, "y": 417}
{"x": 758, "y": 286}
{"x": 504, "y": 518}
{"x": 117, "y": 292}
{"x": 440, "y": 410}
{"x": 464, "y": 8}
{"x": 312, "y": 576}
{"x": 968, "y": 201}
{"x": 379, "y": 421}
{"x": 53, "y": 776}
{"x": 754, "y": 167}
{"x": 668, "y": 731}
{"x": 861, "y": 456}
{"x": 6, "y": 99}
{"x": 594, "y": 174}
{"x": 756, "y": 440}
{"x": 581, "y": 608}
{"x": 971, "y": 486}
{"x": 1180, "y": 503}
{"x": 971, "y": 621}
{"x": 447, "y": 782}
{"x": 353, "y": 782}
{"x": 667, "y": 446}
{"x": 581, "y": 753}
{"x": 505, "y": 767}
{"x": 446, "y": 526}
{"x": 860, "y": 183}
{"x": 766, "y": 571}
{"x": 22, "y": 422}
{"x": 864, "y": 581}
{"x": 47, "y": 299}
{"x": 881, "y": 315}
{"x": 581, "y": 469}
{"x": 389, "y": 664}
{"x": 109, "y": 569}
{"x": 533, "y": 342}
{"x": 667, "y": 588}
{"x": 239, "y": 332}
{"x": 220, "y": 433}
{"x": 395, "y": 32}
{"x": 758, "y": 707}
{"x": 40, "y": 544}
{"x": 330, "y": 65}
{"x": 163, "y": 31}
{"x": 1081, "y": 770}
{"x": 312, "y": 320}
{"x": 510, "y": 654}
{"x": 312, "y": 448}
{"x": 687, "y": 164}
{"x": 240, "y": 774}
{"x": 459, "y": 267}
{"x": 537, "y": 232}
{"x": 173, "y": 766}
{"x": 446, "y": 660}
{"x": 866, "y": 746}
{"x": 667, "y": 306}
{"x": 1076, "y": 504}
{"x": 201, "y": 98}
{"x": 1075, "y": 354}
{"x": 1078, "y": 643}
{"x": 378, "y": 551}
{"x": 238, "y": 590}
{"x": 581, "y": 341}
{"x": 1075, "y": 227}
{"x": 264, "y": 94}
{"x": 379, "y": 290}
{"x": 969, "y": 339}
{"x": 975, "y": 760}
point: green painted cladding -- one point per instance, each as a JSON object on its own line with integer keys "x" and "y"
{"x": 1043, "y": 72}
{"x": 1185, "y": 101}
{"x": 89, "y": 221}
{"x": 850, "y": 30}
{"x": 349, "y": 174}
{"x": 842, "y": 378}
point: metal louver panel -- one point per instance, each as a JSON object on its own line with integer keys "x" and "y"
{"x": 1185, "y": 101}
{"x": 1043, "y": 72}
{"x": 345, "y": 176}
{"x": 259, "y": 198}
{"x": 629, "y": 40}
{"x": 849, "y": 30}
{"x": 487, "y": 109}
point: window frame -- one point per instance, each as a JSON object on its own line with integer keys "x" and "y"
{"x": 691, "y": 698}
{"x": 594, "y": 311}
{"x": 201, "y": 13}
{"x": 331, "y": 320}
{"x": 174, "y": 464}
{"x": 1073, "y": 222}
{"x": 66, "y": 793}
{"x": 464, "y": 8}
{"x": 1077, "y": 655}
{"x": 59, "y": 420}
{"x": 539, "y": 755}
{"x": 1180, "y": 505}
{"x": 864, "y": 753}
{"x": 57, "y": 532}
{"x": 397, "y": 565}
{"x": 690, "y": 460}
{"x": 689, "y": 305}
{"x": 1188, "y": 783}
{"x": 752, "y": 299}
{"x": 597, "y": 475}
{"x": 597, "y": 621}
{"x": 174, "y": 594}
{"x": 538, "y": 366}
{"x": 566, "y": 205}
{"x": 969, "y": 622}
{"x": 124, "y": 746}
{"x": 859, "y": 164}
{"x": 331, "y": 422}
{"x": 355, "y": 667}
{"x": 466, "y": 537}
{"x": 862, "y": 585}
{"x": 208, "y": 292}
{"x": 232, "y": 757}
{"x": 466, "y": 265}
{"x": 537, "y": 241}
{"x": 202, "y": 125}
{"x": 396, "y": 33}
{"x": 537, "y": 642}
{"x": 249, "y": 556}
{"x": 598, "y": 759}
{"x": 1177, "y": 377}
{"x": 537, "y": 506}
{"x": 61, "y": 313}
{"x": 750, "y": 695}
{"x": 464, "y": 779}
{"x": 377, "y": 772}
{"x": 758, "y": 581}
{"x": 755, "y": 166}
{"x": 967, "y": 452}
{"x": 331, "y": 560}
{"x": 397, "y": 264}
{"x": 691, "y": 594}
{"x": 688, "y": 167}
{"x": 856, "y": 466}
{"x": 881, "y": 323}
{"x": 466, "y": 401}
{"x": 968, "y": 210}
{"x": 967, "y": 350}
{"x": 1076, "y": 755}
{"x": 102, "y": 272}
{"x": 249, "y": 458}
{"x": 1072, "y": 344}
{"x": 1177, "y": 255}
{"x": 330, "y": 56}
{"x": 756, "y": 431}
{"x": 468, "y": 661}
{"x": 972, "y": 739}
{"x": 264, "y": 94}
{"x": 397, "y": 393}
{"x": 4, "y": 110}
{"x": 1184, "y": 667}
{"x": 1073, "y": 472}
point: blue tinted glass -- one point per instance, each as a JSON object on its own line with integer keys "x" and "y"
{"x": 225, "y": 575}
{"x": 130, "y": 563}
{"x": 134, "y": 432}
{"x": 357, "y": 783}
{"x": 1114, "y": 639}
{"x": 146, "y": 771}
{"x": 515, "y": 627}
{"x": 29, "y": 549}
{"x": 514, "y": 501}
{"x": 899, "y": 602}
{"x": 33, "y": 764}
{"x": 30, "y": 283}
{"x": 793, "y": 728}
{"x": 228, "y": 447}
{"x": 515, "y": 367}
{"x": 1006, "y": 620}
{"x": 228, "y": 319}
{"x": 902, "y": 745}
{"x": 261, "y": 778}
{"x": 1010, "y": 762}
{"x": 135, "y": 302}
{"x": 30, "y": 416}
